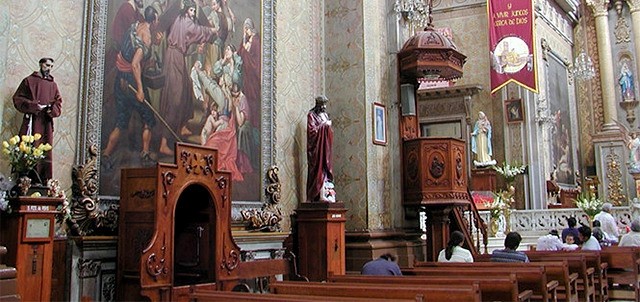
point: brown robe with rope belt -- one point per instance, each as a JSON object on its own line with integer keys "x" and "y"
{"x": 36, "y": 90}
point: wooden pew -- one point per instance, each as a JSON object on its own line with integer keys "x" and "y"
{"x": 226, "y": 296}
{"x": 585, "y": 284}
{"x": 492, "y": 288}
{"x": 593, "y": 265}
{"x": 8, "y": 281}
{"x": 529, "y": 278}
{"x": 555, "y": 270}
{"x": 435, "y": 293}
{"x": 624, "y": 267}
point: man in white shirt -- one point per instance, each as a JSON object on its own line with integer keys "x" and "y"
{"x": 549, "y": 242}
{"x": 608, "y": 222}
{"x": 632, "y": 238}
{"x": 589, "y": 243}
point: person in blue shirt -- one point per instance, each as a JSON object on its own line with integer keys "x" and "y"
{"x": 509, "y": 253}
{"x": 571, "y": 229}
{"x": 384, "y": 266}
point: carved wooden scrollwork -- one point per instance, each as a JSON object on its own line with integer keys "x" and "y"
{"x": 88, "y": 213}
{"x": 269, "y": 216}
{"x": 231, "y": 261}
{"x": 155, "y": 267}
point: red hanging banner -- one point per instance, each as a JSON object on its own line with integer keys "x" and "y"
{"x": 511, "y": 41}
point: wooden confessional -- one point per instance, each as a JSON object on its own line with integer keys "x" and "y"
{"x": 175, "y": 231}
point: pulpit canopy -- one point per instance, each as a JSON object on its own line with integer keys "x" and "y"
{"x": 431, "y": 55}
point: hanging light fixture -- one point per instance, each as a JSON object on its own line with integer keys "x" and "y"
{"x": 582, "y": 65}
{"x": 415, "y": 12}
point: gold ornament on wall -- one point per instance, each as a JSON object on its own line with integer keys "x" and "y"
{"x": 614, "y": 176}
{"x": 622, "y": 31}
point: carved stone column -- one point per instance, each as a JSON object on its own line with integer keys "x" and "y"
{"x": 607, "y": 79}
{"x": 634, "y": 6}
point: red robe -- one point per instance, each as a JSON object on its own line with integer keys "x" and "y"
{"x": 319, "y": 143}
{"x": 251, "y": 75}
{"x": 125, "y": 16}
{"x": 226, "y": 143}
{"x": 33, "y": 91}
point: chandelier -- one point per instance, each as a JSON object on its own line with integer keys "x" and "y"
{"x": 583, "y": 67}
{"x": 415, "y": 12}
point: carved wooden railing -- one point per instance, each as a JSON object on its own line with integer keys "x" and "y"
{"x": 473, "y": 227}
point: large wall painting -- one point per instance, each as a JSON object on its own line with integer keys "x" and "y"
{"x": 562, "y": 150}
{"x": 201, "y": 72}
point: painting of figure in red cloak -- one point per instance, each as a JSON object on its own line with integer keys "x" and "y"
{"x": 183, "y": 71}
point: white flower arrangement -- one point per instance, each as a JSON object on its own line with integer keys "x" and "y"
{"x": 498, "y": 205}
{"x": 589, "y": 203}
{"x": 5, "y": 186}
{"x": 509, "y": 172}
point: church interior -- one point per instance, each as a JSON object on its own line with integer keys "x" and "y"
{"x": 186, "y": 164}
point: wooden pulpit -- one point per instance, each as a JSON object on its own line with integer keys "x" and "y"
{"x": 435, "y": 178}
{"x": 28, "y": 233}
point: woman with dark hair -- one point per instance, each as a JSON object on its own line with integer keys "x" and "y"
{"x": 454, "y": 252}
{"x": 571, "y": 229}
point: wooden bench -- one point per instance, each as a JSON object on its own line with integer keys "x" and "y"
{"x": 624, "y": 267}
{"x": 492, "y": 288}
{"x": 8, "y": 281}
{"x": 555, "y": 270}
{"x": 226, "y": 296}
{"x": 529, "y": 278}
{"x": 435, "y": 293}
{"x": 589, "y": 266}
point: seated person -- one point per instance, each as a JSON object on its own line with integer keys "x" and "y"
{"x": 570, "y": 245}
{"x": 600, "y": 235}
{"x": 609, "y": 224}
{"x": 509, "y": 253}
{"x": 597, "y": 231}
{"x": 549, "y": 242}
{"x": 571, "y": 229}
{"x": 632, "y": 238}
{"x": 384, "y": 266}
{"x": 589, "y": 243}
{"x": 454, "y": 252}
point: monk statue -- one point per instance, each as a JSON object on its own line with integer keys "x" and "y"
{"x": 39, "y": 100}
{"x": 320, "y": 186}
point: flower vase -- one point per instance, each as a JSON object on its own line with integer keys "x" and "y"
{"x": 493, "y": 226}
{"x": 22, "y": 185}
{"x": 507, "y": 220}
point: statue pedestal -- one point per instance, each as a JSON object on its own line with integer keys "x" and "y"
{"x": 483, "y": 179}
{"x": 27, "y": 233}
{"x": 321, "y": 239}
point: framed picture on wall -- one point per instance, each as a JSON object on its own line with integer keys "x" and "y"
{"x": 513, "y": 111}
{"x": 379, "y": 124}
{"x": 182, "y": 119}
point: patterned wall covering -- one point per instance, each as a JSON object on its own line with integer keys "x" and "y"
{"x": 344, "y": 63}
{"x": 383, "y": 162}
{"x": 299, "y": 78}
{"x": 30, "y": 30}
{"x": 469, "y": 27}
